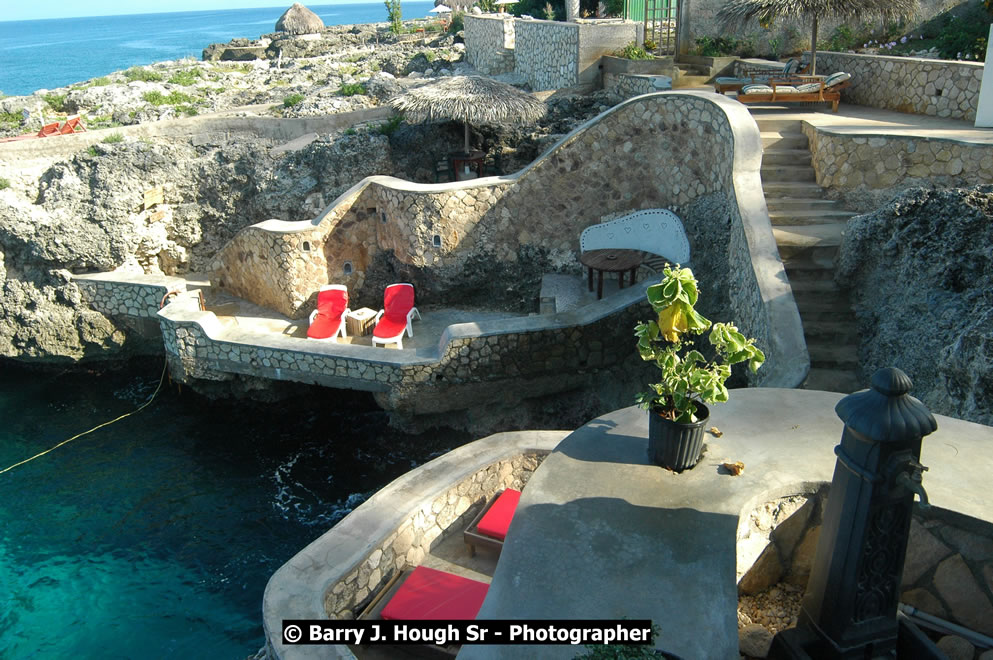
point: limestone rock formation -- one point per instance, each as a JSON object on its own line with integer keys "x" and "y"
{"x": 299, "y": 20}
{"x": 920, "y": 273}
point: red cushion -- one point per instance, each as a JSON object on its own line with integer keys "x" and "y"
{"x": 331, "y": 305}
{"x": 388, "y": 327}
{"x": 324, "y": 326}
{"x": 497, "y": 520}
{"x": 428, "y": 594}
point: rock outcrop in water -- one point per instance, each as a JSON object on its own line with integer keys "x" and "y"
{"x": 920, "y": 271}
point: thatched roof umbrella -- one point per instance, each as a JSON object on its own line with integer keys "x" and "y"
{"x": 471, "y": 100}
{"x": 299, "y": 20}
{"x": 736, "y": 13}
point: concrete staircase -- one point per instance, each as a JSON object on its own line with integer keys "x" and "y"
{"x": 808, "y": 229}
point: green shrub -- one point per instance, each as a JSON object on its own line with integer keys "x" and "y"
{"x": 351, "y": 131}
{"x": 141, "y": 73}
{"x": 93, "y": 151}
{"x": 4, "y": 183}
{"x": 156, "y": 97}
{"x": 394, "y": 15}
{"x": 292, "y": 100}
{"x": 10, "y": 120}
{"x": 458, "y": 22}
{"x": 186, "y": 77}
{"x": 716, "y": 47}
{"x": 633, "y": 52}
{"x": 56, "y": 101}
{"x": 113, "y": 138}
{"x": 102, "y": 81}
{"x": 351, "y": 89}
{"x": 388, "y": 127}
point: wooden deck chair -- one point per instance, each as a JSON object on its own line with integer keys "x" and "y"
{"x": 74, "y": 125}
{"x": 809, "y": 90}
{"x": 489, "y": 528}
{"x": 49, "y": 130}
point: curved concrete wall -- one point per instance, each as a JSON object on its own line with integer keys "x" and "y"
{"x": 696, "y": 153}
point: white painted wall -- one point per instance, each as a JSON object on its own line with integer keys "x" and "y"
{"x": 984, "y": 113}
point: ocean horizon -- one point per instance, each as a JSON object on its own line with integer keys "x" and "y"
{"x": 44, "y": 54}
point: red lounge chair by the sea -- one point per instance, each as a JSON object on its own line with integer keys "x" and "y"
{"x": 49, "y": 129}
{"x": 328, "y": 320}
{"x": 489, "y": 528}
{"x": 396, "y": 316}
{"x": 74, "y": 125}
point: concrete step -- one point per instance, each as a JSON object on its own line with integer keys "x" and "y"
{"x": 693, "y": 82}
{"x": 800, "y": 204}
{"x": 696, "y": 70}
{"x": 825, "y": 290}
{"x": 791, "y": 190}
{"x": 784, "y": 140}
{"x": 832, "y": 380}
{"x": 809, "y": 217}
{"x": 781, "y": 156}
{"x": 809, "y": 235}
{"x": 787, "y": 173}
{"x": 833, "y": 356}
{"x": 814, "y": 310}
{"x": 810, "y": 269}
{"x": 777, "y": 124}
{"x": 837, "y": 332}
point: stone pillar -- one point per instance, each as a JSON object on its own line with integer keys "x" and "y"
{"x": 571, "y": 10}
{"x": 984, "y": 113}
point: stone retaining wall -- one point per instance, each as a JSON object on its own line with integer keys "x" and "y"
{"x": 628, "y": 85}
{"x": 843, "y": 161}
{"x": 937, "y": 88}
{"x": 489, "y": 43}
{"x": 448, "y": 513}
{"x": 547, "y": 53}
{"x": 948, "y": 571}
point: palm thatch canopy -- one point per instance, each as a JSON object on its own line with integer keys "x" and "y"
{"x": 299, "y": 20}
{"x": 737, "y": 13}
{"x": 469, "y": 99}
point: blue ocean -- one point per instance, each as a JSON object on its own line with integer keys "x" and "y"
{"x": 45, "y": 54}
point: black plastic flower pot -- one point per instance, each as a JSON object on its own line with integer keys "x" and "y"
{"x": 675, "y": 445}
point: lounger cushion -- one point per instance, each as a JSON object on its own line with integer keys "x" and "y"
{"x": 786, "y": 89}
{"x": 398, "y": 300}
{"x": 836, "y": 78}
{"x": 730, "y": 80}
{"x": 331, "y": 305}
{"x": 756, "y": 89}
{"x": 429, "y": 594}
{"x": 497, "y": 519}
{"x": 808, "y": 88}
{"x": 792, "y": 66}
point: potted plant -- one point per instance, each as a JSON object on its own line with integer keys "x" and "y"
{"x": 676, "y": 404}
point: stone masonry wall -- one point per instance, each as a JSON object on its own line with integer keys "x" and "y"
{"x": 627, "y": 85}
{"x": 877, "y": 162}
{"x": 547, "y": 53}
{"x": 489, "y": 43}
{"x": 937, "y": 88}
{"x": 449, "y": 513}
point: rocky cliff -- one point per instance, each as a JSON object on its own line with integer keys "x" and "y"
{"x": 920, "y": 270}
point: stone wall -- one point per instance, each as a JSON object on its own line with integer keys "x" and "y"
{"x": 547, "y": 53}
{"x": 449, "y": 513}
{"x": 628, "y": 85}
{"x": 937, "y": 88}
{"x": 948, "y": 570}
{"x": 489, "y": 43}
{"x": 844, "y": 161}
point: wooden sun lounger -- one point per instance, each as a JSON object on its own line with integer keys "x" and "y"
{"x": 824, "y": 94}
{"x": 472, "y": 535}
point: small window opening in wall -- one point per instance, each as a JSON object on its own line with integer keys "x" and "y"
{"x": 436, "y": 241}
{"x": 937, "y": 92}
{"x": 382, "y": 217}
{"x": 306, "y": 246}
{"x": 347, "y": 268}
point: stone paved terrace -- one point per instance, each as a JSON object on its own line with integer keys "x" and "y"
{"x": 601, "y": 533}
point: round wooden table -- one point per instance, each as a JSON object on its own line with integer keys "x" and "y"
{"x": 610, "y": 261}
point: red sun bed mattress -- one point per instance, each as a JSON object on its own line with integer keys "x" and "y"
{"x": 429, "y": 594}
{"x": 497, "y": 520}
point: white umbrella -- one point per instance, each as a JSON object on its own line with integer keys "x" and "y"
{"x": 440, "y": 9}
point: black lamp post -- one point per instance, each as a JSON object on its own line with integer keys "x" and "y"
{"x": 849, "y": 610}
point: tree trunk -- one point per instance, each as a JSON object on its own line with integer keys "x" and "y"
{"x": 813, "y": 48}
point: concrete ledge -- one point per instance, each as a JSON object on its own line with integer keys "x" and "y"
{"x": 298, "y": 589}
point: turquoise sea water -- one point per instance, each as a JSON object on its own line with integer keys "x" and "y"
{"x": 46, "y": 54}
{"x": 154, "y": 537}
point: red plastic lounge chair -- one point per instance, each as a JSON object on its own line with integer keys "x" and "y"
{"x": 396, "y": 316}
{"x": 328, "y": 320}
{"x": 74, "y": 125}
{"x": 428, "y": 595}
{"x": 489, "y": 529}
{"x": 49, "y": 129}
